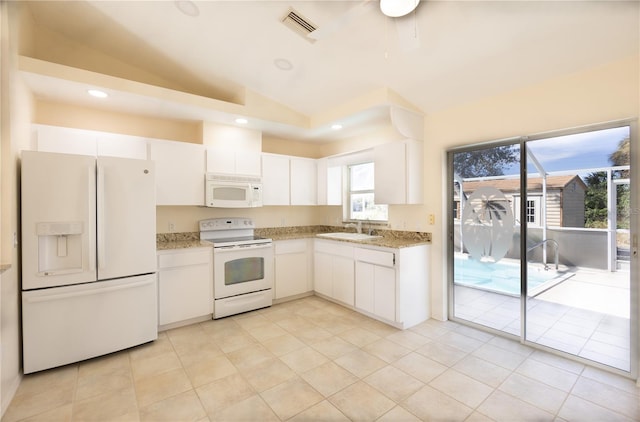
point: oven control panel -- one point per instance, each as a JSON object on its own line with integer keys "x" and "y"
{"x": 234, "y": 223}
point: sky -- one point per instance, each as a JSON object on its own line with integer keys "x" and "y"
{"x": 578, "y": 151}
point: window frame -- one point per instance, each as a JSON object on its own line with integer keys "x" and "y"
{"x": 350, "y": 193}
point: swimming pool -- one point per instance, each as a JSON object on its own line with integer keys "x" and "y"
{"x": 504, "y": 277}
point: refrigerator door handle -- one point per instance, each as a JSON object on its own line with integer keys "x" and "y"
{"x": 100, "y": 213}
{"x": 91, "y": 187}
{"x": 61, "y": 296}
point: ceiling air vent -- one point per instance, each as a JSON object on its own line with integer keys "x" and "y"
{"x": 299, "y": 24}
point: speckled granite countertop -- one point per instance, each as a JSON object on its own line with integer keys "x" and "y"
{"x": 390, "y": 238}
{"x": 165, "y": 241}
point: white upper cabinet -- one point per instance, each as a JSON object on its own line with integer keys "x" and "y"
{"x": 88, "y": 142}
{"x": 398, "y": 172}
{"x": 123, "y": 146}
{"x": 303, "y": 181}
{"x": 288, "y": 180}
{"x": 329, "y": 183}
{"x": 275, "y": 179}
{"x": 220, "y": 160}
{"x": 180, "y": 170}
{"x": 65, "y": 140}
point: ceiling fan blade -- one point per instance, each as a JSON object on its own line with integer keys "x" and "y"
{"x": 408, "y": 34}
{"x": 342, "y": 21}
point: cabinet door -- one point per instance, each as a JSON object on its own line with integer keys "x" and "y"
{"x": 303, "y": 181}
{"x": 180, "y": 169}
{"x": 291, "y": 274}
{"x": 221, "y": 161}
{"x": 322, "y": 274}
{"x": 123, "y": 146}
{"x": 185, "y": 284}
{"x": 365, "y": 286}
{"x": 415, "y": 172}
{"x": 334, "y": 186}
{"x": 65, "y": 140}
{"x": 385, "y": 292}
{"x": 248, "y": 163}
{"x": 343, "y": 280}
{"x": 329, "y": 183}
{"x": 321, "y": 185}
{"x": 390, "y": 173}
{"x": 184, "y": 293}
{"x": 275, "y": 179}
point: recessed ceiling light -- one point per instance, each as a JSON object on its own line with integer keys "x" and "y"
{"x": 336, "y": 126}
{"x": 283, "y": 64}
{"x": 242, "y": 121}
{"x": 187, "y": 7}
{"x": 97, "y": 93}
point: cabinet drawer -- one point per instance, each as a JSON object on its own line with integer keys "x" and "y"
{"x": 181, "y": 259}
{"x": 290, "y": 246}
{"x": 372, "y": 256}
{"x": 334, "y": 248}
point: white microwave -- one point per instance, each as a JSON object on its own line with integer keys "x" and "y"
{"x": 226, "y": 191}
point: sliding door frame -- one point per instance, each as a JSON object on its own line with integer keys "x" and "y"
{"x": 634, "y": 231}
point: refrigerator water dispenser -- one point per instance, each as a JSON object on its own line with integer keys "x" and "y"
{"x": 59, "y": 247}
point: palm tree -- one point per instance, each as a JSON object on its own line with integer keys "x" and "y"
{"x": 487, "y": 224}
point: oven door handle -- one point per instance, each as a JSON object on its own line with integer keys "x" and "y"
{"x": 236, "y": 248}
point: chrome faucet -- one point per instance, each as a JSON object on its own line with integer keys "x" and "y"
{"x": 357, "y": 226}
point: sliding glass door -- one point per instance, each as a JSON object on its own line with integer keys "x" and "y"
{"x": 556, "y": 212}
{"x": 579, "y": 283}
{"x": 485, "y": 257}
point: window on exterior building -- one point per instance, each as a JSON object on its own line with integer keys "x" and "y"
{"x": 533, "y": 212}
{"x": 361, "y": 202}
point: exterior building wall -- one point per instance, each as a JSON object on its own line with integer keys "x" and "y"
{"x": 573, "y": 206}
{"x": 554, "y": 208}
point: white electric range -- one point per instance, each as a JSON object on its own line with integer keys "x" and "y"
{"x": 242, "y": 265}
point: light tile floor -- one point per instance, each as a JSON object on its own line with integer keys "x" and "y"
{"x": 309, "y": 360}
{"x": 586, "y": 315}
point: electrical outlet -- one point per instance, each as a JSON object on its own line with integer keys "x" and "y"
{"x": 283, "y": 222}
{"x": 172, "y": 227}
{"x": 432, "y": 219}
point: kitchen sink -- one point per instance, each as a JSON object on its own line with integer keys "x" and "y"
{"x": 348, "y": 236}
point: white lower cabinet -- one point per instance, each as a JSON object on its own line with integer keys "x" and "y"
{"x": 334, "y": 270}
{"x": 293, "y": 265}
{"x": 185, "y": 285}
{"x": 392, "y": 285}
{"x": 376, "y": 290}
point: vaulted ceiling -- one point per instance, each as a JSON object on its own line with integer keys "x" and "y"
{"x": 444, "y": 54}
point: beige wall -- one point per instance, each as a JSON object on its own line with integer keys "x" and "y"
{"x": 185, "y": 218}
{"x": 56, "y": 114}
{"x": 609, "y": 92}
{"x": 16, "y": 132}
{"x": 288, "y": 147}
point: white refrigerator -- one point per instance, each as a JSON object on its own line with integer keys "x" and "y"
{"x": 89, "y": 286}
